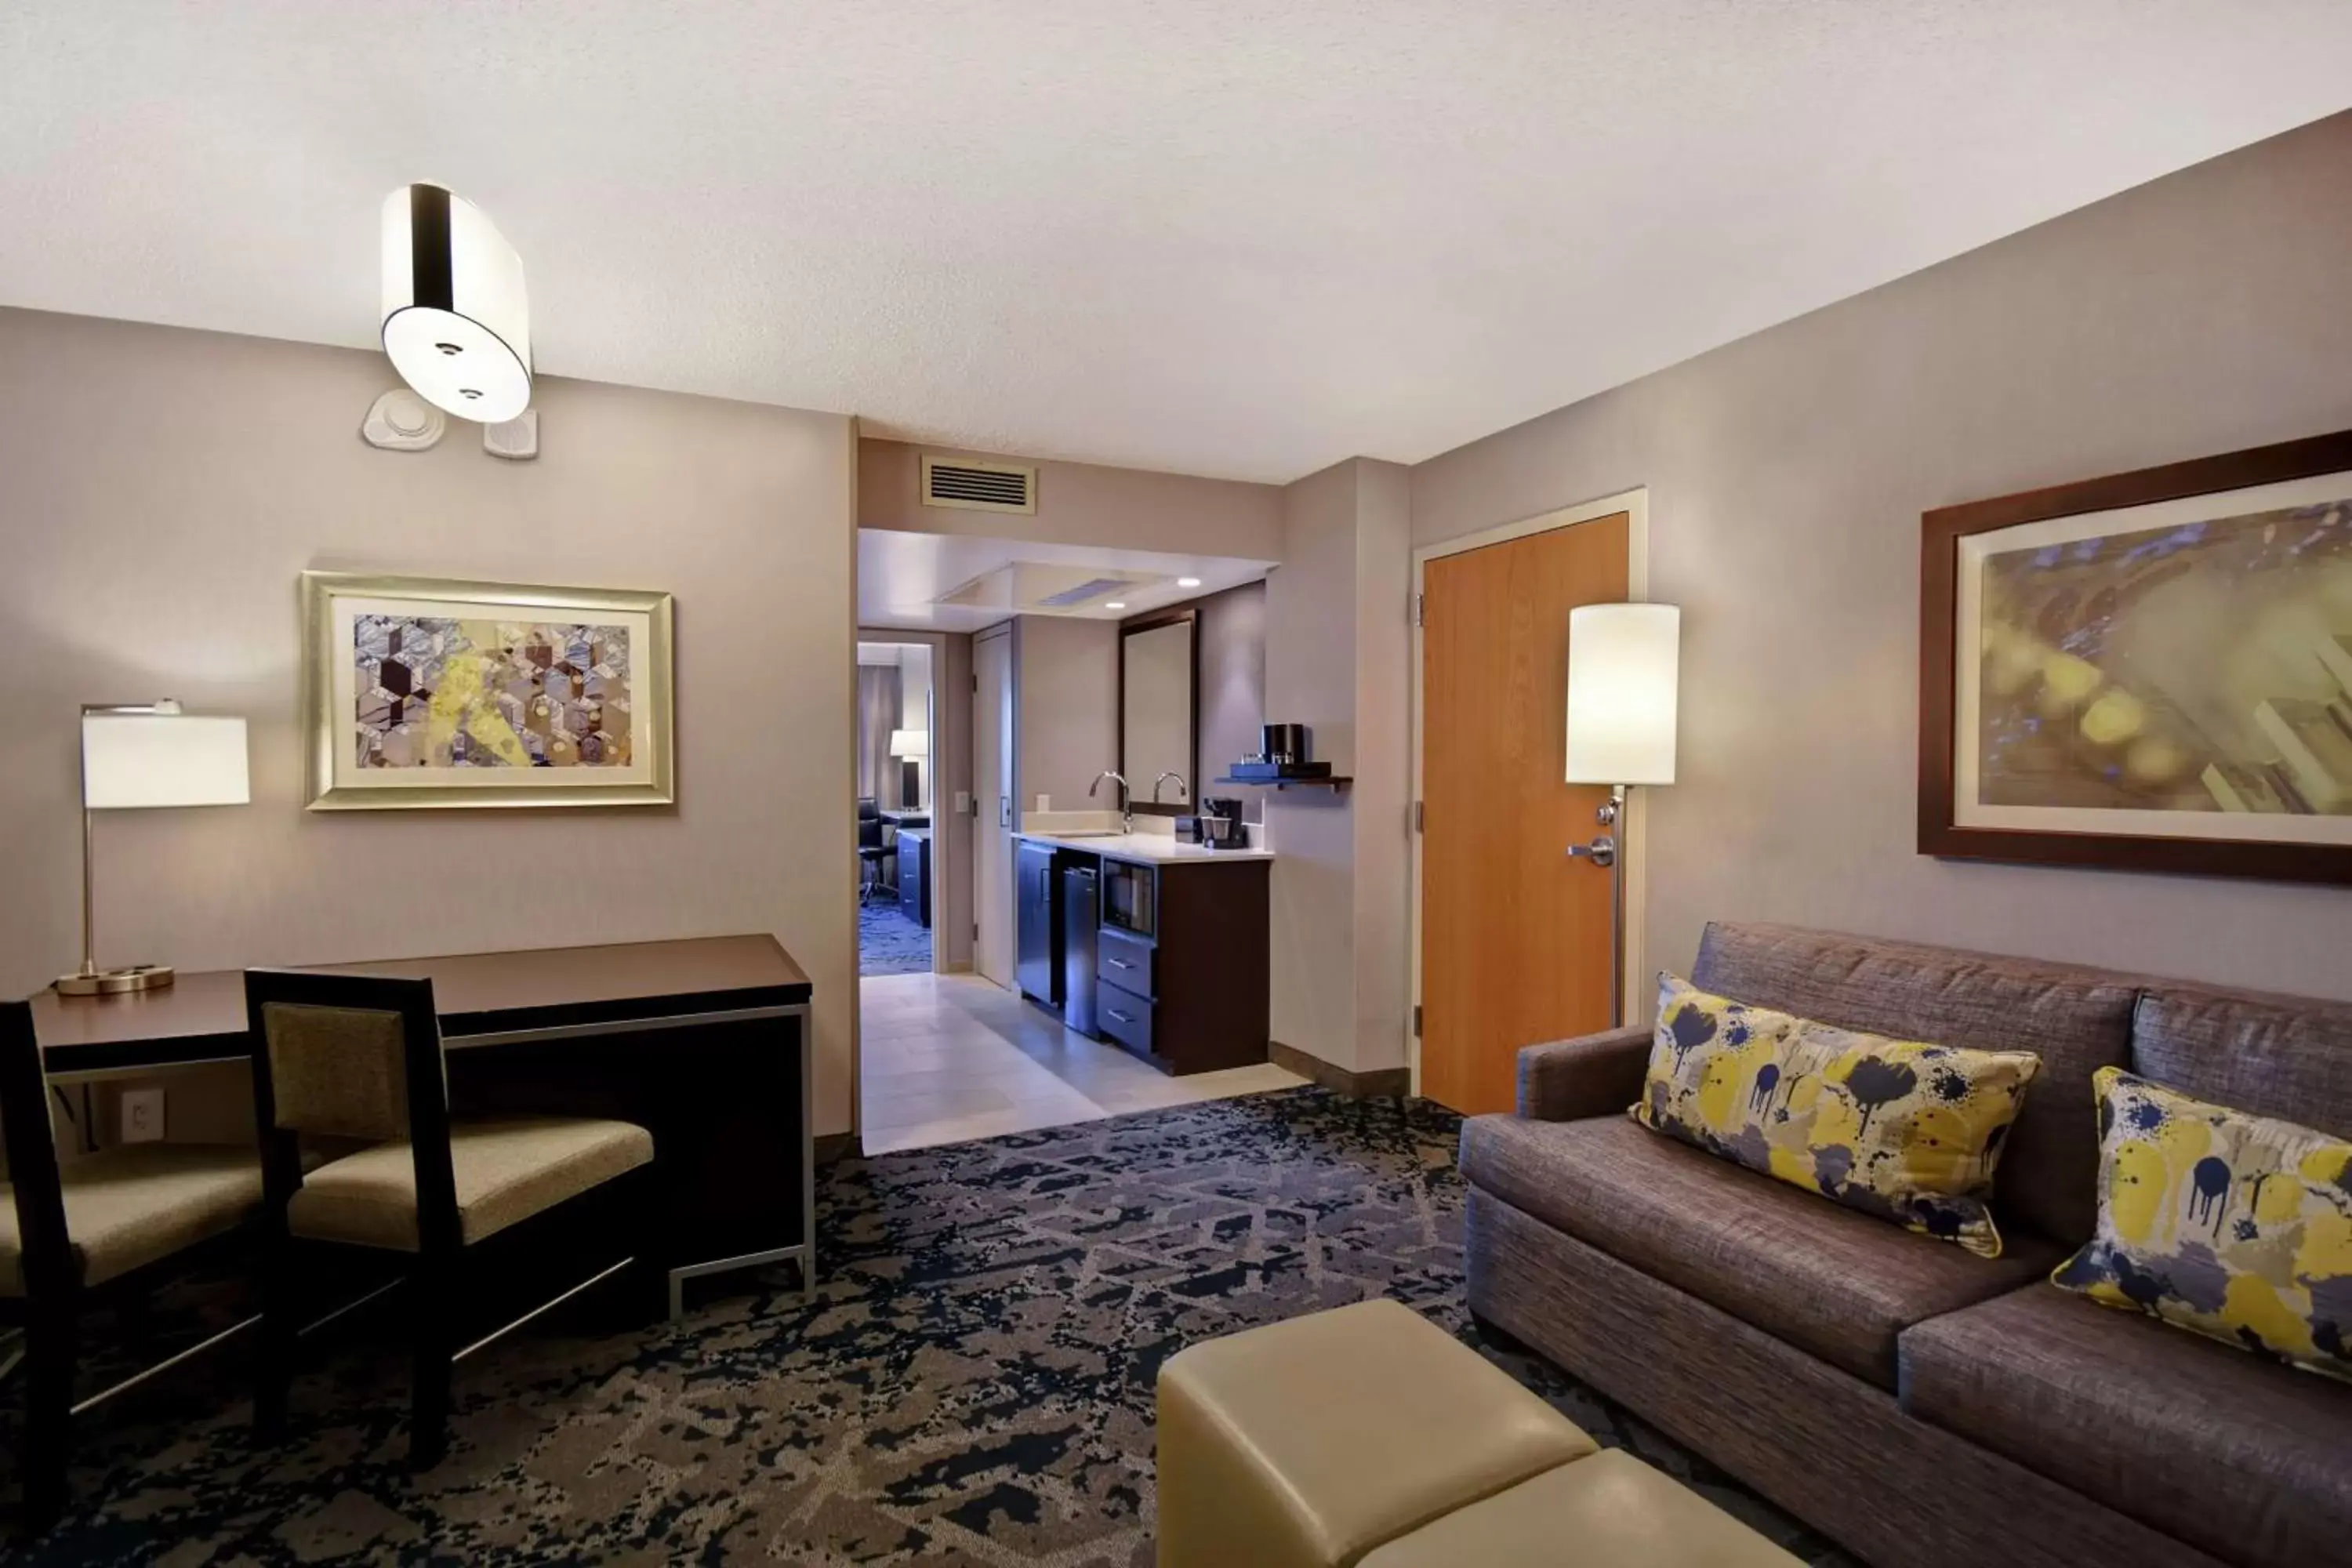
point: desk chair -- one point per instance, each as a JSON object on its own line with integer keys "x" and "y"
{"x": 360, "y": 1058}
{"x": 870, "y": 847}
{"x": 98, "y": 1231}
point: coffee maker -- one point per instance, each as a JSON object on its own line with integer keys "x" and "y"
{"x": 1221, "y": 824}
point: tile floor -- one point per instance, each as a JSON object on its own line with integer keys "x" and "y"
{"x": 951, "y": 1058}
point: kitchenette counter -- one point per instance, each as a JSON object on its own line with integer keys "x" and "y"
{"x": 1161, "y": 947}
{"x": 1147, "y": 848}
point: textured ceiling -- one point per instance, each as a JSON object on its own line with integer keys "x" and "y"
{"x": 1217, "y": 238}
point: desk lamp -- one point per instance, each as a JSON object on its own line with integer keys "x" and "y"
{"x": 150, "y": 754}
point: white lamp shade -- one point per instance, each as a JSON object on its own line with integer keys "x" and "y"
{"x": 909, "y": 743}
{"x": 131, "y": 760}
{"x": 1623, "y": 661}
{"x": 457, "y": 320}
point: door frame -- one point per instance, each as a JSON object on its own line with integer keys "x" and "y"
{"x": 941, "y": 849}
{"x": 1005, "y": 630}
{"x": 1634, "y": 832}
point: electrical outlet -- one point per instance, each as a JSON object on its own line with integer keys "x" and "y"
{"x": 142, "y": 1115}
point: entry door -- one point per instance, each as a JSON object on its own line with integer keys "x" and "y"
{"x": 1516, "y": 940}
{"x": 991, "y": 782}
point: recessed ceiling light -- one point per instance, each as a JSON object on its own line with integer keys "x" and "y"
{"x": 1116, "y": 605}
{"x": 1187, "y": 582}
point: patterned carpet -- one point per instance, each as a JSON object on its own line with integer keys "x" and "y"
{"x": 891, "y": 943}
{"x": 972, "y": 1385}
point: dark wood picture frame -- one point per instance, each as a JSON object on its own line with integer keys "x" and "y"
{"x": 1189, "y": 614}
{"x": 1941, "y": 531}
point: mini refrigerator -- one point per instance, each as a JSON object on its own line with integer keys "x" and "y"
{"x": 1081, "y": 914}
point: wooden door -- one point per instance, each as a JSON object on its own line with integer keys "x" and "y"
{"x": 1515, "y": 938}
{"x": 992, "y": 783}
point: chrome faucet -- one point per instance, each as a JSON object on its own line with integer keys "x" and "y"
{"x": 1125, "y": 801}
{"x": 1183, "y": 790}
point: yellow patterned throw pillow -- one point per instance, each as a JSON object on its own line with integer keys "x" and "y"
{"x": 2238, "y": 1226}
{"x": 1899, "y": 1129}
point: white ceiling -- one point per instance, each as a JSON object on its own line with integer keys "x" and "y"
{"x": 1220, "y": 237}
{"x": 901, "y": 575}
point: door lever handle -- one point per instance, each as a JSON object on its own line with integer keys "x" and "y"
{"x": 1601, "y": 851}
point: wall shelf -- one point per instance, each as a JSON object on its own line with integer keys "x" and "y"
{"x": 1336, "y": 781}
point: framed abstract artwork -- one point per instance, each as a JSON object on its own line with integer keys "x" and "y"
{"x": 2151, "y": 671}
{"x": 421, "y": 693}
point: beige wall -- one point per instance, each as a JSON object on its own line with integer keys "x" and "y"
{"x": 1064, "y": 712}
{"x": 1231, "y": 695}
{"x": 1080, "y": 503}
{"x": 165, "y": 489}
{"x": 1383, "y": 793}
{"x": 1336, "y": 646}
{"x": 2208, "y": 311}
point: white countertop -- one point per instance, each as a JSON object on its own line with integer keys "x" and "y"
{"x": 1155, "y": 848}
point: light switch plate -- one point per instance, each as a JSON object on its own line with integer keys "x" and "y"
{"x": 142, "y": 1115}
{"x": 963, "y": 803}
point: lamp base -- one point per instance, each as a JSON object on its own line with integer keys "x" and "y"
{"x": 116, "y": 982}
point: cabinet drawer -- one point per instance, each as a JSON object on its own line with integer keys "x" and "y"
{"x": 1124, "y": 1017}
{"x": 1124, "y": 960}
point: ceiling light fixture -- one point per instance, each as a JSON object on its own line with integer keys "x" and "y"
{"x": 456, "y": 321}
{"x": 1116, "y": 605}
{"x": 1187, "y": 582}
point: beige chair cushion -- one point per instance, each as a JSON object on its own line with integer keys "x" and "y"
{"x": 338, "y": 1072}
{"x": 127, "y": 1207}
{"x": 1310, "y": 1442}
{"x": 506, "y": 1172}
{"x": 1608, "y": 1512}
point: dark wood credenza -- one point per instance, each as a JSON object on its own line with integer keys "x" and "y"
{"x": 704, "y": 1042}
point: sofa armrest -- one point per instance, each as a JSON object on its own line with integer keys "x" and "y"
{"x": 1596, "y": 1075}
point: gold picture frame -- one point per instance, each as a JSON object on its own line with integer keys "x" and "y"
{"x": 505, "y": 694}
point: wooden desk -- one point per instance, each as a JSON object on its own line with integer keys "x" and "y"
{"x": 706, "y": 1043}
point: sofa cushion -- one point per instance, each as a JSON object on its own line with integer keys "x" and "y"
{"x": 2240, "y": 1457}
{"x": 1831, "y": 1281}
{"x": 1902, "y": 1130}
{"x": 2270, "y": 1056}
{"x": 2076, "y": 1020}
{"x": 2230, "y": 1225}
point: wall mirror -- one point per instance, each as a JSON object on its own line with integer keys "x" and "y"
{"x": 1158, "y": 721}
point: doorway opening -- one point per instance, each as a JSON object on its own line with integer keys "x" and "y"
{"x": 897, "y": 743}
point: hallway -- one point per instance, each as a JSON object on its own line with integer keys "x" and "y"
{"x": 949, "y": 1057}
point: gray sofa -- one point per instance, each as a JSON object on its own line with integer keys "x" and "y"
{"x": 1917, "y": 1403}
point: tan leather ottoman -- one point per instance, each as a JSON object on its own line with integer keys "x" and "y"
{"x": 1600, "y": 1512}
{"x": 1306, "y": 1444}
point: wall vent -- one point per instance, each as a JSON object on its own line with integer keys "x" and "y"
{"x": 1092, "y": 588}
{"x": 976, "y": 486}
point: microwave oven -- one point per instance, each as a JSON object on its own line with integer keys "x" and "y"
{"x": 1129, "y": 897}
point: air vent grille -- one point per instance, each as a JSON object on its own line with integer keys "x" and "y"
{"x": 978, "y": 486}
{"x": 1094, "y": 588}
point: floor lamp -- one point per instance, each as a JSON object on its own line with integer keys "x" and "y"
{"x": 1622, "y": 665}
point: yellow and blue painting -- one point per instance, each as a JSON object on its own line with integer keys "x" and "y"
{"x": 436, "y": 692}
{"x": 2205, "y": 667}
